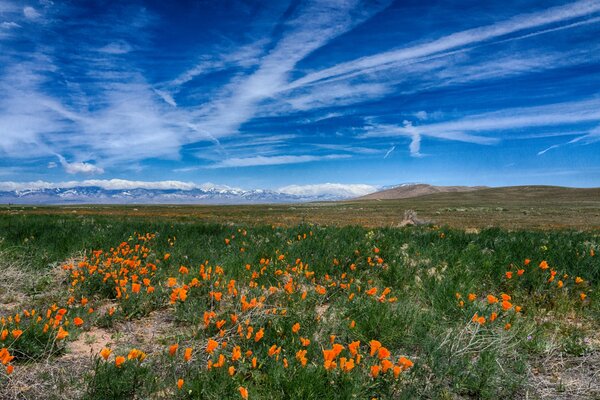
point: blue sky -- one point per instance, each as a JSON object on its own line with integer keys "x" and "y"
{"x": 275, "y": 93}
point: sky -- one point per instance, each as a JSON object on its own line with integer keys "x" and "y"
{"x": 301, "y": 94}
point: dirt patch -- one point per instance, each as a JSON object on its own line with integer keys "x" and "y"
{"x": 566, "y": 377}
{"x": 147, "y": 332}
{"x": 89, "y": 343}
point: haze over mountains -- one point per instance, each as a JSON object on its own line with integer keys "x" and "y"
{"x": 117, "y": 191}
{"x": 174, "y": 192}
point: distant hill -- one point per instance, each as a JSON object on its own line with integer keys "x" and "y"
{"x": 407, "y": 191}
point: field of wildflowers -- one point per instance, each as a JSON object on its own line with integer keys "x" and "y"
{"x": 299, "y": 312}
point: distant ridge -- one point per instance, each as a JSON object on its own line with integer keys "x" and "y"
{"x": 410, "y": 190}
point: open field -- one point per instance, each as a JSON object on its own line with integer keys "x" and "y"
{"x": 528, "y": 207}
{"x": 189, "y": 309}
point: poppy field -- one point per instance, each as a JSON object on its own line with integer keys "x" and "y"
{"x": 100, "y": 307}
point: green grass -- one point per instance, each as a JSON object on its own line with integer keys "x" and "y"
{"x": 424, "y": 268}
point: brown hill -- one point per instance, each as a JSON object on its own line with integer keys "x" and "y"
{"x": 416, "y": 190}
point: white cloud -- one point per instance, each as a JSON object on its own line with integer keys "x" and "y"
{"x": 389, "y": 152}
{"x": 31, "y": 13}
{"x": 79, "y": 167}
{"x": 118, "y": 47}
{"x": 167, "y": 97}
{"x": 391, "y": 59}
{"x": 273, "y": 160}
{"x": 111, "y": 184}
{"x": 312, "y": 26}
{"x": 9, "y": 25}
{"x": 329, "y": 189}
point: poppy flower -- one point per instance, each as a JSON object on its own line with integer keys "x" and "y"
{"x": 187, "y": 355}
{"x": 211, "y": 346}
{"x": 296, "y": 327}
{"x": 61, "y": 334}
{"x": 78, "y": 321}
{"x": 472, "y": 296}
{"x": 506, "y": 305}
{"x": 173, "y": 349}
{"x": 386, "y": 365}
{"x": 119, "y": 360}
{"x": 375, "y": 345}
{"x": 508, "y": 274}
{"x": 9, "y": 369}
{"x": 305, "y": 342}
{"x": 544, "y": 265}
{"x": 578, "y": 280}
{"x": 492, "y": 299}
{"x": 375, "y": 371}
{"x": 383, "y": 353}
{"x": 105, "y": 353}
{"x": 353, "y": 347}
{"x": 243, "y": 392}
{"x": 179, "y": 383}
{"x": 520, "y": 272}
{"x": 405, "y": 362}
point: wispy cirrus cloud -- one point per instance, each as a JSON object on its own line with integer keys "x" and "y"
{"x": 312, "y": 26}
{"x": 470, "y": 37}
{"x": 273, "y": 160}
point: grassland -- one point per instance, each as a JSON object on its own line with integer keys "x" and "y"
{"x": 487, "y": 313}
{"x": 528, "y": 207}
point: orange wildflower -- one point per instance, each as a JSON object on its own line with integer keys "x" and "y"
{"x": 296, "y": 327}
{"x": 243, "y": 392}
{"x": 578, "y": 280}
{"x": 179, "y": 383}
{"x": 211, "y": 346}
{"x": 119, "y": 360}
{"x": 353, "y": 347}
{"x": 187, "y": 355}
{"x": 472, "y": 296}
{"x": 383, "y": 353}
{"x": 508, "y": 274}
{"x": 78, "y": 321}
{"x": 61, "y": 334}
{"x": 520, "y": 272}
{"x": 544, "y": 265}
{"x": 492, "y": 299}
{"x": 105, "y": 353}
{"x": 375, "y": 371}
{"x": 173, "y": 349}
{"x": 375, "y": 345}
{"x": 135, "y": 287}
{"x": 405, "y": 363}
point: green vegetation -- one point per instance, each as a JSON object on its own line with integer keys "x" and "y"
{"x": 421, "y": 292}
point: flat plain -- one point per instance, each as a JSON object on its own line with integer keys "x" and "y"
{"x": 496, "y": 297}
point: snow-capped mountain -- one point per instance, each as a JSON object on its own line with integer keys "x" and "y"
{"x": 98, "y": 195}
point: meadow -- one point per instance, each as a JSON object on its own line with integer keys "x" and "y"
{"x": 136, "y": 304}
